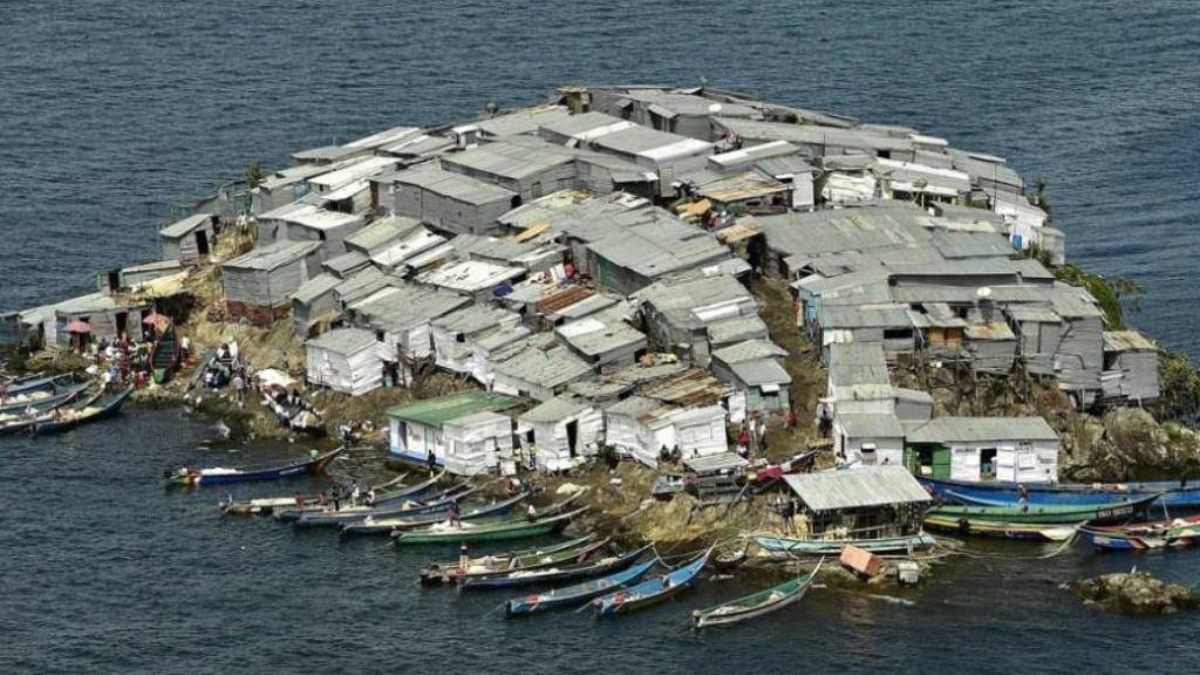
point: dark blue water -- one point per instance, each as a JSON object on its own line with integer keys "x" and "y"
{"x": 109, "y": 110}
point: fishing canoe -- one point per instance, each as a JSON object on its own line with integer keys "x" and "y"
{"x": 1161, "y": 534}
{"x": 551, "y": 575}
{"x": 951, "y": 524}
{"x": 1177, "y": 494}
{"x": 447, "y": 571}
{"x": 95, "y": 410}
{"x": 1048, "y": 514}
{"x": 222, "y": 476}
{"x": 577, "y": 594}
{"x": 756, "y": 604}
{"x": 15, "y": 423}
{"x": 444, "y": 533}
{"x": 374, "y": 525}
{"x": 265, "y": 506}
{"x": 34, "y": 384}
{"x": 652, "y": 591}
{"x": 437, "y": 504}
{"x": 396, "y": 500}
{"x": 786, "y": 548}
{"x": 42, "y": 400}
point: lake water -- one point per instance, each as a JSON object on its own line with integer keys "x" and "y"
{"x": 111, "y": 110}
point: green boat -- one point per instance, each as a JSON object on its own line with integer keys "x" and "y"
{"x": 444, "y": 533}
{"x": 756, "y": 604}
{"x": 1046, "y": 514}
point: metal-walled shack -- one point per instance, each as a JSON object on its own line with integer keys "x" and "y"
{"x": 259, "y": 285}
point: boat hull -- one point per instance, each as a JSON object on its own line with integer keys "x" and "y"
{"x": 1173, "y": 493}
{"x": 785, "y": 548}
{"x": 576, "y": 595}
{"x": 997, "y": 530}
{"x": 199, "y": 479}
{"x": 515, "y": 530}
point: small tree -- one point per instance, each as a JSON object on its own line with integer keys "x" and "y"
{"x": 254, "y": 175}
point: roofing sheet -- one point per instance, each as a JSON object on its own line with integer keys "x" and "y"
{"x": 453, "y": 185}
{"x": 344, "y": 340}
{"x": 870, "y": 425}
{"x": 970, "y": 429}
{"x": 273, "y": 255}
{"x": 437, "y": 411}
{"x": 857, "y": 488}
{"x": 182, "y": 227}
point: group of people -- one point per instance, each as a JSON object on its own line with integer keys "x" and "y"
{"x": 121, "y": 361}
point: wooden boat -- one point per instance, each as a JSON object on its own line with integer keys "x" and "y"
{"x": 42, "y": 399}
{"x": 1048, "y": 514}
{"x": 221, "y": 476}
{"x": 437, "y": 505}
{"x": 756, "y": 604}
{"x": 554, "y": 574}
{"x": 265, "y": 506}
{"x": 34, "y": 384}
{"x": 372, "y": 525}
{"x": 1174, "y": 493}
{"x": 14, "y": 423}
{"x": 395, "y": 500}
{"x": 652, "y": 591}
{"x": 786, "y": 548}
{"x": 522, "y": 528}
{"x": 730, "y": 560}
{"x": 577, "y": 594}
{"x": 952, "y": 524}
{"x": 164, "y": 358}
{"x": 64, "y": 419}
{"x": 573, "y": 551}
{"x": 1160, "y": 534}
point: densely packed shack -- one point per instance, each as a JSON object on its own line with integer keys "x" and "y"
{"x": 587, "y": 262}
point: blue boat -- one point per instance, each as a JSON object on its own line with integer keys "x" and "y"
{"x": 569, "y": 596}
{"x": 1174, "y": 494}
{"x": 547, "y": 575}
{"x": 92, "y": 410}
{"x": 652, "y": 591}
{"x": 36, "y": 384}
{"x": 786, "y": 548}
{"x": 221, "y": 476}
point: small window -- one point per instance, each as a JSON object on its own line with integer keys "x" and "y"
{"x": 897, "y": 333}
{"x": 460, "y": 338}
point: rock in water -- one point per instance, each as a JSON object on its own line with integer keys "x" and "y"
{"x": 1135, "y": 593}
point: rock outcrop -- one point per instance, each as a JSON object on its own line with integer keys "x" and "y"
{"x": 1135, "y": 593}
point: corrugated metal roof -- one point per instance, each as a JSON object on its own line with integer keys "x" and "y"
{"x": 857, "y": 363}
{"x": 750, "y": 350}
{"x": 346, "y": 262}
{"x": 737, "y": 329}
{"x": 403, "y": 307}
{"x": 870, "y": 425}
{"x": 453, "y": 185}
{"x": 555, "y": 410}
{"x": 1127, "y": 340}
{"x": 508, "y": 160}
{"x": 470, "y": 276}
{"x": 273, "y": 255}
{"x": 526, "y": 121}
{"x": 437, "y": 411}
{"x": 968, "y": 429}
{"x": 344, "y": 340}
{"x": 381, "y": 233}
{"x": 182, "y": 227}
{"x": 760, "y": 371}
{"x": 315, "y": 288}
{"x": 547, "y": 368}
{"x": 857, "y": 488}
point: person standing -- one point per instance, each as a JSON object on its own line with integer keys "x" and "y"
{"x": 239, "y": 389}
{"x": 431, "y": 461}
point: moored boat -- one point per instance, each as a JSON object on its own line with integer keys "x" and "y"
{"x": 786, "y": 547}
{"x": 446, "y": 533}
{"x": 958, "y": 525}
{"x": 97, "y": 408}
{"x": 652, "y": 591}
{"x": 575, "y": 550}
{"x": 756, "y": 604}
{"x": 435, "y": 505}
{"x": 387, "y": 524}
{"x": 554, "y": 574}
{"x": 1161, "y": 534}
{"x": 1047, "y": 514}
{"x": 225, "y": 476}
{"x": 1175, "y": 493}
{"x": 42, "y": 400}
{"x": 577, "y": 594}
{"x": 164, "y": 358}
